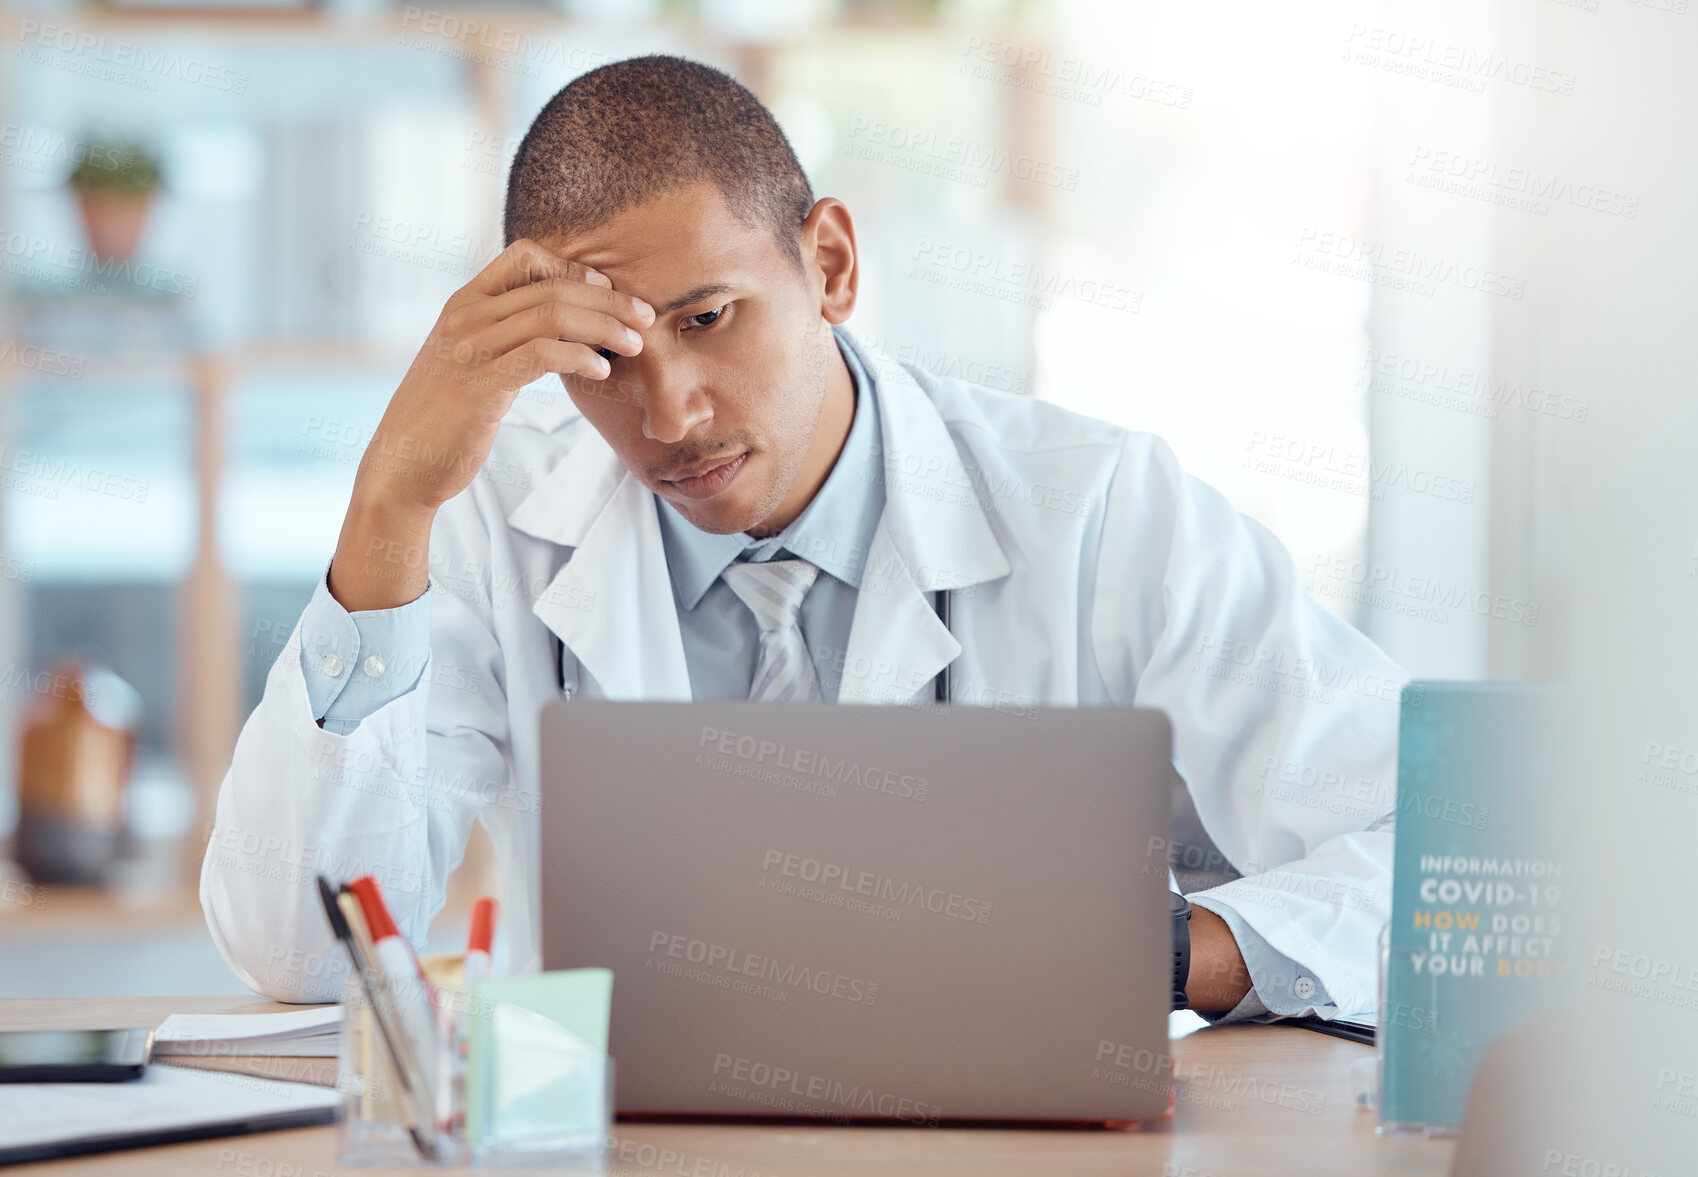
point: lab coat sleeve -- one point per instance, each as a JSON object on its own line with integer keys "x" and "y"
{"x": 395, "y": 797}
{"x": 1284, "y": 717}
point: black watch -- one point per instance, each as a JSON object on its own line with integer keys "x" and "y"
{"x": 1181, "y": 948}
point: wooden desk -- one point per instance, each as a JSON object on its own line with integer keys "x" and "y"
{"x": 1253, "y": 1101}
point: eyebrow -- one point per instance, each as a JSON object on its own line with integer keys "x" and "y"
{"x": 690, "y": 296}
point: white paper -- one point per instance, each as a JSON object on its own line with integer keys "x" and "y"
{"x": 303, "y": 1033}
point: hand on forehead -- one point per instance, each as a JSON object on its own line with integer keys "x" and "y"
{"x": 675, "y": 251}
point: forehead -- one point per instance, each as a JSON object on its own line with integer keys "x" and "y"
{"x": 671, "y": 243}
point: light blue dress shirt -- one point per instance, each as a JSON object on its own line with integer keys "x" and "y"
{"x": 356, "y": 663}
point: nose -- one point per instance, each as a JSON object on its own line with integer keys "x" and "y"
{"x": 673, "y": 405}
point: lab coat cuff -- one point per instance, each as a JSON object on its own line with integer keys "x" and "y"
{"x": 1279, "y": 986}
{"x": 356, "y": 663}
{"x": 1250, "y": 1009}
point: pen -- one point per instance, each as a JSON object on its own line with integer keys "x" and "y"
{"x": 421, "y": 1129}
{"x": 362, "y": 940}
{"x": 357, "y": 925}
{"x": 478, "y": 942}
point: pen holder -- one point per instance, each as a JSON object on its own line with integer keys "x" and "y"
{"x": 508, "y": 1086}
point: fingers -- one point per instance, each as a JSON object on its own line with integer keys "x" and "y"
{"x": 558, "y": 319}
{"x": 525, "y": 262}
{"x": 531, "y": 311}
{"x": 537, "y": 356}
{"x": 633, "y": 312}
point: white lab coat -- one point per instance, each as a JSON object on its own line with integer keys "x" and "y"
{"x": 1280, "y": 712}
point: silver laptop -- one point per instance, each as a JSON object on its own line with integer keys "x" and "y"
{"x": 849, "y": 913}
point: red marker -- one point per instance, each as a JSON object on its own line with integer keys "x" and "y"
{"x": 403, "y": 976}
{"x": 479, "y": 941}
{"x": 392, "y": 948}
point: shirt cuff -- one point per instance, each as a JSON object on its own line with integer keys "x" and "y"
{"x": 1279, "y": 986}
{"x": 357, "y": 663}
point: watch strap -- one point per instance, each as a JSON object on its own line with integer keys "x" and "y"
{"x": 1181, "y": 949}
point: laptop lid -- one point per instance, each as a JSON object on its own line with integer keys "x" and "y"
{"x": 867, "y": 912}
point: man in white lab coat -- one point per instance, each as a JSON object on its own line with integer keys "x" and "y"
{"x": 738, "y": 499}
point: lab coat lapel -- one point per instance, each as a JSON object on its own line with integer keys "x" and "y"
{"x": 611, "y": 602}
{"x": 933, "y": 535}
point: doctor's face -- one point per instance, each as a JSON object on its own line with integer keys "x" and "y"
{"x": 718, "y": 414}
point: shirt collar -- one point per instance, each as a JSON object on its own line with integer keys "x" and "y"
{"x": 834, "y": 531}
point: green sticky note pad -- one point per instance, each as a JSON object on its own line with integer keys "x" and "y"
{"x": 530, "y": 1045}
{"x": 578, "y": 999}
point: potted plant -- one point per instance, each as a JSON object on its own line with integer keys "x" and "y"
{"x": 115, "y": 187}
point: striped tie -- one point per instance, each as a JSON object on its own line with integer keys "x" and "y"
{"x": 773, "y": 591}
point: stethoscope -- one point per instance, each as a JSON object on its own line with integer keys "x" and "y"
{"x": 940, "y": 684}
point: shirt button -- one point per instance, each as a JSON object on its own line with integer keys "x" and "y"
{"x": 333, "y": 666}
{"x": 1304, "y": 988}
{"x": 373, "y": 666}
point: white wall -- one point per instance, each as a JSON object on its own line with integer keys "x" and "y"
{"x": 1598, "y": 519}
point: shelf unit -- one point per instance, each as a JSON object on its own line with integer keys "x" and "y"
{"x": 210, "y": 706}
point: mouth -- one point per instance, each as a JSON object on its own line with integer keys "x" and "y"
{"x": 705, "y": 481}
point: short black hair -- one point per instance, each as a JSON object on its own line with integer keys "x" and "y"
{"x": 625, "y": 132}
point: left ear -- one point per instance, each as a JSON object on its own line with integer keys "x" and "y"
{"x": 828, "y": 253}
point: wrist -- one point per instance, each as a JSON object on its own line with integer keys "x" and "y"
{"x": 382, "y": 556}
{"x": 391, "y": 499}
{"x": 1218, "y": 978}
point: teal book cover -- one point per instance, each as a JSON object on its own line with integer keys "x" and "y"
{"x": 1475, "y": 945}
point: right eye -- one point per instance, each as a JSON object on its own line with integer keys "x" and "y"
{"x": 604, "y": 354}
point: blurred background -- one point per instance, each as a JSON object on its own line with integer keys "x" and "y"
{"x": 1411, "y": 283}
